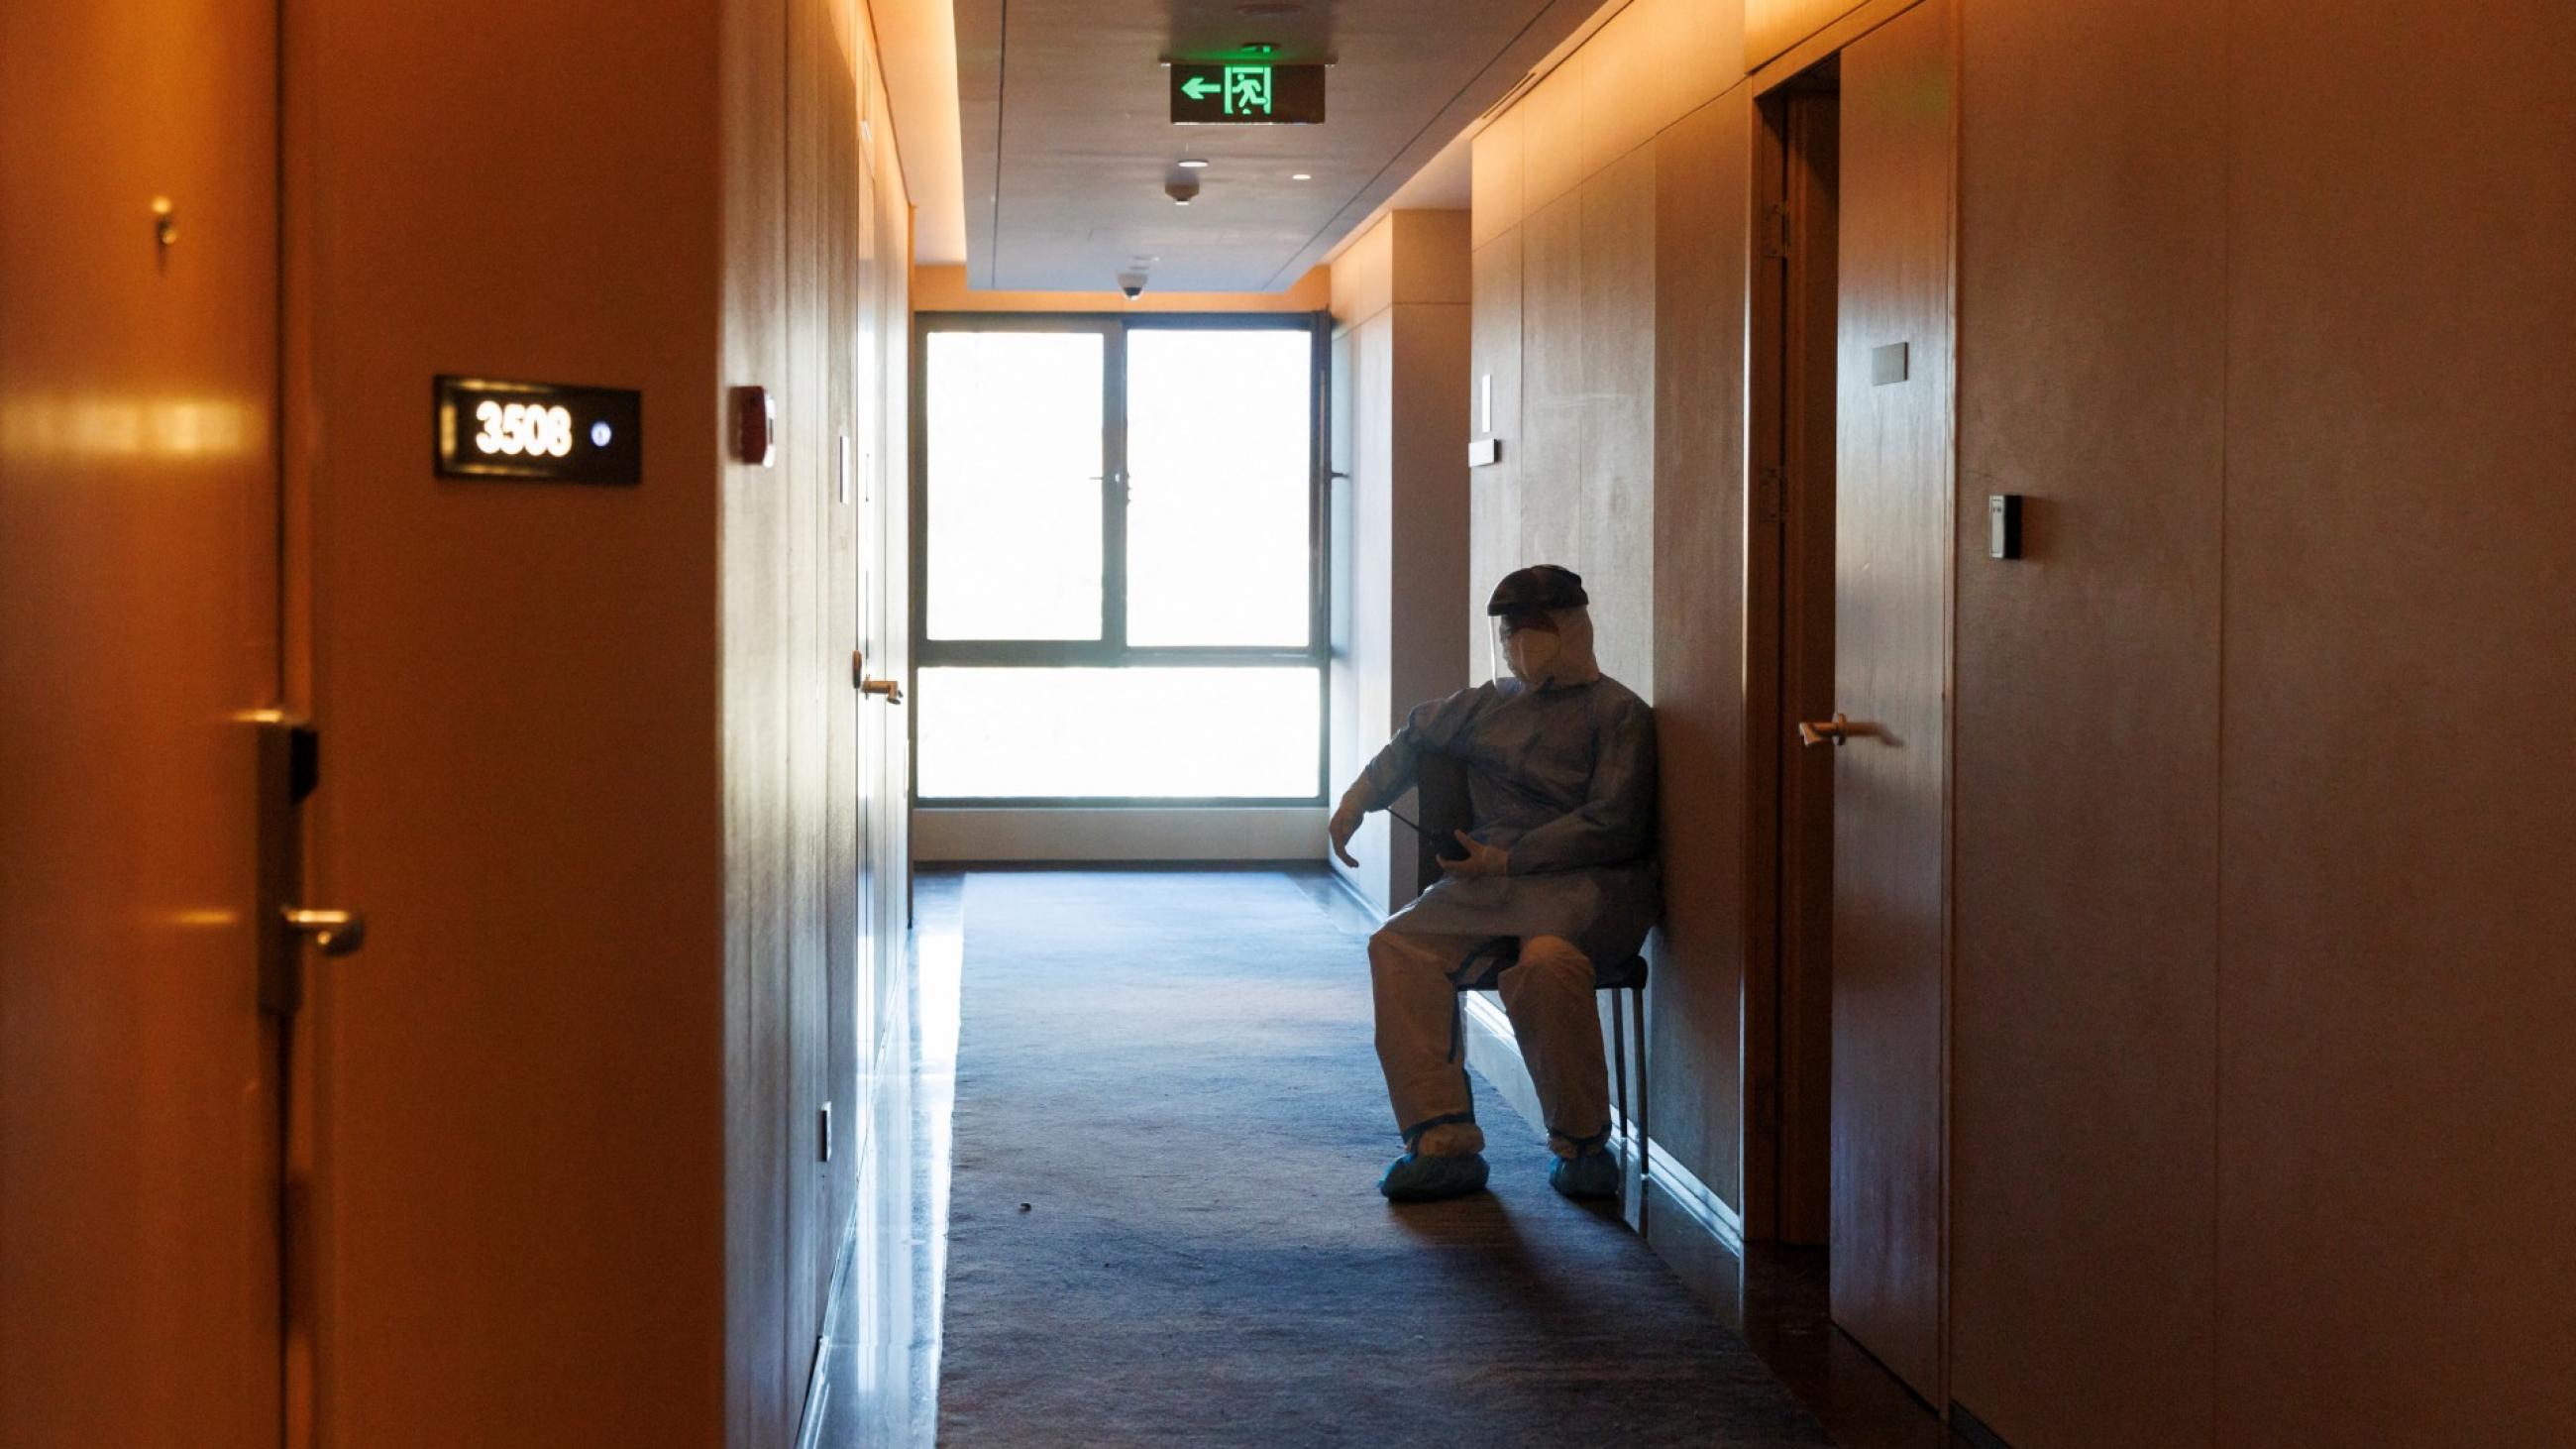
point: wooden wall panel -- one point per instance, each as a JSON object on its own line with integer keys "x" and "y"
{"x": 1364, "y": 275}
{"x": 757, "y": 667}
{"x": 1495, "y": 170}
{"x": 1702, "y": 45}
{"x": 1626, "y": 83}
{"x": 813, "y": 421}
{"x": 1372, "y": 483}
{"x": 1772, "y": 26}
{"x": 1573, "y": 225}
{"x": 2085, "y": 993}
{"x": 1432, "y": 258}
{"x": 1552, "y": 396}
{"x": 1616, "y": 347}
{"x": 1430, "y": 518}
{"x": 1552, "y": 143}
{"x": 1494, "y": 372}
{"x": 1702, "y": 192}
{"x": 2397, "y": 1094}
{"x": 1402, "y": 512}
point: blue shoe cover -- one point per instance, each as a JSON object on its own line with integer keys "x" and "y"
{"x": 1593, "y": 1175}
{"x": 1416, "y": 1178}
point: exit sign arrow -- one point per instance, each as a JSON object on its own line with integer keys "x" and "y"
{"x": 1199, "y": 87}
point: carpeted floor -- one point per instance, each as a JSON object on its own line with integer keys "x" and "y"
{"x": 1166, "y": 1227}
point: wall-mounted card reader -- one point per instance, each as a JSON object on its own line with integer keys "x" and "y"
{"x": 2003, "y": 525}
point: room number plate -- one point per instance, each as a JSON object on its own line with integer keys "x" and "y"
{"x": 540, "y": 431}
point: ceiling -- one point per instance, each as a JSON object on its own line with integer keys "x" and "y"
{"x": 1066, "y": 140}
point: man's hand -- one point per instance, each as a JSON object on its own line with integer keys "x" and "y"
{"x": 1482, "y": 859}
{"x": 1345, "y": 824}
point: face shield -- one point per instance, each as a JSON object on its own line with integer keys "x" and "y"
{"x": 1543, "y": 648}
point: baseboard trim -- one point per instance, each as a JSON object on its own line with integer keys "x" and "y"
{"x": 1118, "y": 835}
{"x": 818, "y": 1384}
{"x": 1492, "y": 1050}
{"x": 1705, "y": 1210}
{"x": 1350, "y": 889}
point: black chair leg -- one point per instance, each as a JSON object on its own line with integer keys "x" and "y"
{"x": 1619, "y": 1060}
{"x": 1645, "y": 1114}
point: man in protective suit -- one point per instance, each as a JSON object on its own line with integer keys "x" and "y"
{"x": 1561, "y": 772}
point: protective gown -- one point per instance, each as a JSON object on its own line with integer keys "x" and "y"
{"x": 1564, "y": 779}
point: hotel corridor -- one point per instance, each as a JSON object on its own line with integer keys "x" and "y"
{"x": 707, "y": 709}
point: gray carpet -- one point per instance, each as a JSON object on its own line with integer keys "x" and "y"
{"x": 1173, "y": 1073}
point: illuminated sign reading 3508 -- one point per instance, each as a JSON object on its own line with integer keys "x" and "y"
{"x": 485, "y": 427}
{"x": 531, "y": 430}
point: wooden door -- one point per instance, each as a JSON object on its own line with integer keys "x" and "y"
{"x": 885, "y": 748}
{"x": 1891, "y": 662}
{"x": 140, "y": 1136}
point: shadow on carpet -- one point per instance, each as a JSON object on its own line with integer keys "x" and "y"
{"x": 1173, "y": 1073}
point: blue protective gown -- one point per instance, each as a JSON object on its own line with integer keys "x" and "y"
{"x": 1563, "y": 778}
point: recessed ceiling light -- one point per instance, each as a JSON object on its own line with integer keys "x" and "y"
{"x": 1194, "y": 165}
{"x": 1301, "y": 176}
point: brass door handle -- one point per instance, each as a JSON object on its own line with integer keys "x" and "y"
{"x": 1837, "y": 729}
{"x": 333, "y": 933}
{"x": 889, "y": 690}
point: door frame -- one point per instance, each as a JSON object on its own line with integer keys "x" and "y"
{"x": 1760, "y": 1103}
{"x": 1787, "y": 1153}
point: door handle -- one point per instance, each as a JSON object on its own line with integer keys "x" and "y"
{"x": 891, "y": 691}
{"x": 1837, "y": 729}
{"x": 333, "y": 933}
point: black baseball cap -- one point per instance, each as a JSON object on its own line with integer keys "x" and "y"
{"x": 1540, "y": 586}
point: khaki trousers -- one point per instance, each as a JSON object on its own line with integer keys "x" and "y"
{"x": 1421, "y": 1036}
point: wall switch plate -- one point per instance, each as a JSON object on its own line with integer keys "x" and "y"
{"x": 2003, "y": 525}
{"x": 755, "y": 427}
{"x": 1890, "y": 363}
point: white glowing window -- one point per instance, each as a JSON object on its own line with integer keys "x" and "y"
{"x": 1220, "y": 461}
{"x": 1013, "y": 525}
{"x": 1119, "y": 568}
{"x": 1141, "y": 732}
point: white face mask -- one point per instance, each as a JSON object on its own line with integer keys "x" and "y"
{"x": 1531, "y": 654}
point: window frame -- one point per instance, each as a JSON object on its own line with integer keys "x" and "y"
{"x": 1111, "y": 650}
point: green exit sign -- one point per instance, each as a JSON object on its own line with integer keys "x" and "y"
{"x": 1247, "y": 93}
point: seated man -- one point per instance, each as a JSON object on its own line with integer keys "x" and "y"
{"x": 1561, "y": 771}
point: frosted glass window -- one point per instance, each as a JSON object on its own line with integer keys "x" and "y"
{"x": 1135, "y": 732}
{"x": 1220, "y": 440}
{"x": 1014, "y": 454}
